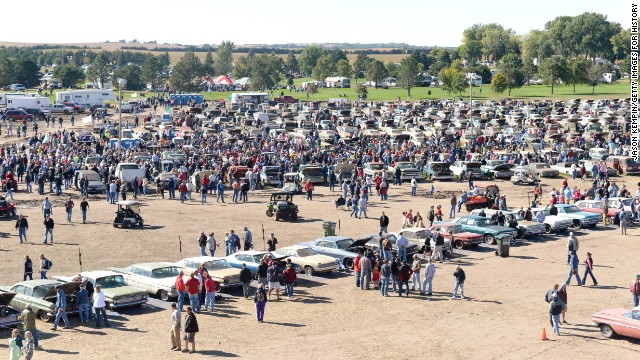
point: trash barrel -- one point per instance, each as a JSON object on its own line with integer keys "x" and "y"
{"x": 503, "y": 246}
{"x": 329, "y": 228}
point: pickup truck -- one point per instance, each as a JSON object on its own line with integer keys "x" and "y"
{"x": 473, "y": 169}
{"x": 376, "y": 168}
{"x": 408, "y": 170}
{"x": 128, "y": 171}
{"x": 60, "y": 109}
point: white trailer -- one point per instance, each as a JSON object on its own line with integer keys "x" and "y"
{"x": 26, "y": 102}
{"x": 338, "y": 82}
{"x": 256, "y": 98}
{"x": 88, "y": 97}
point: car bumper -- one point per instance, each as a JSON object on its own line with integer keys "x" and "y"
{"x": 11, "y": 322}
{"x": 230, "y": 285}
{"x": 409, "y": 176}
{"x": 327, "y": 268}
{"x": 549, "y": 174}
{"x": 128, "y": 303}
{"x": 442, "y": 177}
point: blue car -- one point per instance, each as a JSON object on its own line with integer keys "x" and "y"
{"x": 576, "y": 215}
{"x": 482, "y": 225}
{"x": 339, "y": 247}
{"x": 252, "y": 259}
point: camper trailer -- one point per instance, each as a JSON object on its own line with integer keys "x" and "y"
{"x": 338, "y": 82}
{"x": 256, "y": 98}
{"x": 476, "y": 80}
{"x": 17, "y": 101}
{"x": 88, "y": 97}
{"x": 608, "y": 78}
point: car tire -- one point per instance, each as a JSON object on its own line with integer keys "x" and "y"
{"x": 308, "y": 270}
{"x": 348, "y": 263}
{"x": 577, "y": 225}
{"x": 126, "y": 224}
{"x": 13, "y": 212}
{"x": 607, "y": 331}
{"x": 141, "y": 223}
{"x": 10, "y": 119}
{"x": 163, "y": 295}
{"x": 459, "y": 244}
{"x": 548, "y": 229}
{"x": 42, "y": 315}
{"x": 66, "y": 112}
{"x": 489, "y": 239}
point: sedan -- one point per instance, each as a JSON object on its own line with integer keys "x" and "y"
{"x": 219, "y": 269}
{"x": 9, "y": 317}
{"x": 309, "y": 261}
{"x": 543, "y": 170}
{"x": 253, "y": 257}
{"x": 41, "y": 294}
{"x": 483, "y": 225}
{"x": 623, "y": 322}
{"x": 461, "y": 239}
{"x": 117, "y": 293}
{"x": 339, "y": 247}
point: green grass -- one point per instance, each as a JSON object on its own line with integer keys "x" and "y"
{"x": 619, "y": 90}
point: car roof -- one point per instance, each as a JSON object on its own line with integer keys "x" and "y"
{"x": 152, "y": 265}
{"x": 201, "y": 259}
{"x": 332, "y": 238}
{"x": 39, "y": 282}
{"x": 472, "y": 217}
{"x": 98, "y": 273}
{"x": 251, "y": 252}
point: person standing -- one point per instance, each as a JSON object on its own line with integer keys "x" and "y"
{"x": 562, "y": 294}
{"x": 385, "y": 275}
{"x": 84, "y": 206}
{"x": 22, "y": 225}
{"x": 273, "y": 279}
{"x": 45, "y": 264}
{"x": 210, "y": 295}
{"x": 220, "y": 194}
{"x": 190, "y": 330}
{"x": 175, "y": 328}
{"x": 245, "y": 279}
{"x": 46, "y": 207}
{"x": 573, "y": 268}
{"x": 99, "y": 305}
{"x": 263, "y": 272}
{"x": 365, "y": 268}
{"x": 402, "y": 243}
{"x": 416, "y": 266}
{"x": 15, "y": 350}
{"x": 387, "y": 248}
{"x": 193, "y": 288}
{"x": 212, "y": 244}
{"x": 68, "y": 206}
{"x": 272, "y": 242}
{"x": 247, "y": 238}
{"x": 555, "y": 309}
{"x": 460, "y": 279}
{"x": 404, "y": 274}
{"x": 28, "y": 318}
{"x": 180, "y": 289}
{"x": 623, "y": 222}
{"x": 549, "y": 297}
{"x": 308, "y": 187}
{"x": 384, "y": 223}
{"x": 429, "y": 273}
{"x": 431, "y": 216}
{"x": 414, "y": 187}
{"x": 289, "y": 277}
{"x": 454, "y": 202}
{"x": 356, "y": 267}
{"x": 48, "y": 229}
{"x": 363, "y": 207}
{"x": 437, "y": 252}
{"x": 260, "y": 299}
{"x": 572, "y": 245}
{"x": 202, "y": 242}
{"x": 82, "y": 301}
{"x": 634, "y": 287}
{"x": 588, "y": 268}
{"x": 28, "y": 269}
{"x": 61, "y": 304}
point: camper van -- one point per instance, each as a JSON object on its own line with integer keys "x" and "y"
{"x": 87, "y": 97}
{"x": 608, "y": 78}
{"x": 476, "y": 80}
{"x": 256, "y": 98}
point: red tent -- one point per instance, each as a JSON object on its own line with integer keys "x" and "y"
{"x": 223, "y": 80}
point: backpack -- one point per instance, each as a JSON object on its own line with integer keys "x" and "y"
{"x": 634, "y": 287}
{"x": 47, "y": 264}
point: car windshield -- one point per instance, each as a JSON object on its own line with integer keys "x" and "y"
{"x": 112, "y": 281}
{"x": 405, "y": 166}
{"x": 257, "y": 258}
{"x": 343, "y": 244}
{"x": 542, "y": 166}
{"x": 217, "y": 265}
{"x": 628, "y": 162}
{"x": 570, "y": 209}
{"x": 422, "y": 234}
{"x": 41, "y": 291}
{"x": 164, "y": 272}
{"x": 484, "y": 222}
{"x": 439, "y": 166}
{"x": 376, "y": 166}
{"x": 456, "y": 229}
{"x": 305, "y": 252}
{"x": 473, "y": 166}
{"x": 312, "y": 172}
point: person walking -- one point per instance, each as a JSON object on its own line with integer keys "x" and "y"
{"x": 385, "y": 276}
{"x": 354, "y": 206}
{"x": 245, "y": 279}
{"x": 363, "y": 207}
{"x": 175, "y": 328}
{"x": 99, "y": 305}
{"x": 45, "y": 265}
{"x": 289, "y": 277}
{"x": 572, "y": 245}
{"x": 429, "y": 273}
{"x": 46, "y": 207}
{"x": 260, "y": 299}
{"x": 272, "y": 242}
{"x": 404, "y": 274}
{"x": 573, "y": 268}
{"x": 84, "y": 206}
{"x": 22, "y": 225}
{"x": 48, "y": 229}
{"x": 634, "y": 287}
{"x": 549, "y": 297}
{"x": 202, "y": 242}
{"x": 366, "y": 268}
{"x": 555, "y": 309}
{"x": 588, "y": 268}
{"x": 190, "y": 330}
{"x": 210, "y": 294}
{"x": 416, "y": 266}
{"x": 460, "y": 279}
{"x": 60, "y": 308}
{"x": 28, "y": 317}
{"x": 247, "y": 238}
{"x": 28, "y": 269}
{"x": 68, "y": 206}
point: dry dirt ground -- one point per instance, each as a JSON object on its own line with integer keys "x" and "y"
{"x": 502, "y": 318}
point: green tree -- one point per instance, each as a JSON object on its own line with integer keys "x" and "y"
{"x": 594, "y": 73}
{"x": 343, "y": 68}
{"x": 324, "y": 68}
{"x": 152, "y": 71}
{"x": 577, "y": 71}
{"x": 392, "y": 69}
{"x": 7, "y": 71}
{"x": 376, "y": 72}
{"x": 483, "y": 71}
{"x": 621, "y": 44}
{"x": 207, "y": 66}
{"x": 592, "y": 34}
{"x": 186, "y": 72}
{"x": 292, "y": 63}
{"x": 312, "y": 88}
{"x": 560, "y": 35}
{"x": 164, "y": 61}
{"x": 471, "y": 50}
{"x": 309, "y": 58}
{"x": 453, "y": 80}
{"x": 69, "y": 75}
{"x": 224, "y": 58}
{"x": 131, "y": 73}
{"x": 266, "y": 71}
{"x": 242, "y": 68}
{"x": 360, "y": 66}
{"x": 499, "y": 83}
{"x": 554, "y": 71}
{"x": 27, "y": 72}
{"x": 408, "y": 73}
{"x": 100, "y": 70}
{"x": 511, "y": 67}
{"x": 529, "y": 69}
{"x": 537, "y": 45}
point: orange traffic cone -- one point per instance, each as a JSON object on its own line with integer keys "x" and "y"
{"x": 544, "y": 334}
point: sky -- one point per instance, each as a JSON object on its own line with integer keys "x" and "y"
{"x": 196, "y": 22}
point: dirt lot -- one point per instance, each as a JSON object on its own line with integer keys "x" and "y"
{"x": 330, "y": 318}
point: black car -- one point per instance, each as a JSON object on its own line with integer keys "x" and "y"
{"x": 37, "y": 113}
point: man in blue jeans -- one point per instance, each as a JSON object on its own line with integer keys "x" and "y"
{"x": 429, "y": 273}
{"x": 573, "y": 268}
{"x": 193, "y": 288}
{"x": 61, "y": 304}
{"x": 180, "y": 288}
{"x": 385, "y": 275}
{"x": 402, "y": 242}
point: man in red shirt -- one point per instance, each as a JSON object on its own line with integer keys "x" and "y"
{"x": 180, "y": 288}
{"x": 210, "y": 296}
{"x": 308, "y": 187}
{"x": 356, "y": 267}
{"x": 193, "y": 288}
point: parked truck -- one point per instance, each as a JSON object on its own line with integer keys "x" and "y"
{"x": 129, "y": 171}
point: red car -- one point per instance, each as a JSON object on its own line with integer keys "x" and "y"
{"x": 77, "y": 108}
{"x": 461, "y": 238}
{"x": 595, "y": 206}
{"x": 619, "y": 321}
{"x": 17, "y": 115}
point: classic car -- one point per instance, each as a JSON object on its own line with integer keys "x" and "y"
{"x": 252, "y": 259}
{"x": 623, "y": 322}
{"x": 483, "y": 225}
{"x": 408, "y": 170}
{"x": 580, "y": 218}
{"x": 497, "y": 170}
{"x": 41, "y": 294}
{"x": 620, "y": 203}
{"x": 596, "y": 207}
{"x": 376, "y": 168}
{"x": 542, "y": 170}
{"x": 588, "y": 165}
{"x": 374, "y": 244}
{"x": 524, "y": 227}
{"x": 565, "y": 168}
{"x": 437, "y": 170}
{"x": 117, "y": 293}
{"x": 553, "y": 223}
{"x": 473, "y": 169}
{"x": 461, "y": 239}
{"x": 339, "y": 247}
{"x": 9, "y": 317}
{"x": 624, "y": 164}
{"x": 156, "y": 278}
{"x": 269, "y": 175}
{"x": 313, "y": 173}
{"x": 219, "y": 269}
{"x": 418, "y": 235}
{"x": 309, "y": 261}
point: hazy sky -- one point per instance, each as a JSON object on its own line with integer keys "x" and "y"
{"x": 278, "y": 21}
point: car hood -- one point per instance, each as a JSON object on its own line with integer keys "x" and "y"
{"x": 617, "y": 312}
{"x": 358, "y": 243}
{"x": 122, "y": 291}
{"x": 466, "y": 235}
{"x": 223, "y": 273}
{"x": 318, "y": 258}
{"x": 6, "y": 297}
{"x": 68, "y": 288}
{"x": 498, "y": 228}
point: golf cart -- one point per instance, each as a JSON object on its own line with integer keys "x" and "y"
{"x": 7, "y": 208}
{"x": 524, "y": 178}
{"x": 485, "y": 198}
{"x": 128, "y": 214}
{"x": 281, "y": 205}
{"x": 291, "y": 184}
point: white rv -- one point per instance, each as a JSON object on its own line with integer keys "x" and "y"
{"x": 17, "y": 101}
{"x": 256, "y": 98}
{"x": 87, "y": 97}
{"x": 338, "y": 82}
{"x": 608, "y": 78}
{"x": 476, "y": 80}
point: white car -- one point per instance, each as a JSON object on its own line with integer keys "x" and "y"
{"x": 155, "y": 278}
{"x": 553, "y": 223}
{"x": 473, "y": 169}
{"x": 309, "y": 261}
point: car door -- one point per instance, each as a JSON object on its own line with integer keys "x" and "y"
{"x": 19, "y": 301}
{"x": 327, "y": 247}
